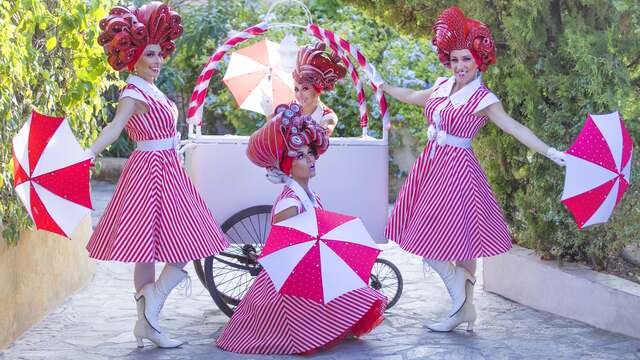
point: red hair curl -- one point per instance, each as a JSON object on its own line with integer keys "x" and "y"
{"x": 454, "y": 31}
{"x": 316, "y": 67}
{"x": 127, "y": 31}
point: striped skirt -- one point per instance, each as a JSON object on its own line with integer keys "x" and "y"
{"x": 266, "y": 322}
{"x": 445, "y": 210}
{"x": 155, "y": 215}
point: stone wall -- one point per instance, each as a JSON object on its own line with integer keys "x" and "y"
{"x": 38, "y": 274}
{"x": 572, "y": 290}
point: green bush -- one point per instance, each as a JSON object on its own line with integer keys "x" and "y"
{"x": 50, "y": 61}
{"x": 557, "y": 60}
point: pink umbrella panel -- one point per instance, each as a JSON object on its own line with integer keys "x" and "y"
{"x": 319, "y": 255}
{"x": 51, "y": 174}
{"x": 598, "y": 169}
{"x": 253, "y": 72}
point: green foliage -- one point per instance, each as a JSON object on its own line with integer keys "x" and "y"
{"x": 50, "y": 61}
{"x": 557, "y": 60}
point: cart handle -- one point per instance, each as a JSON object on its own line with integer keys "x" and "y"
{"x": 344, "y": 48}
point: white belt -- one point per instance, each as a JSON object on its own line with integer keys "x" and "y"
{"x": 159, "y": 144}
{"x": 442, "y": 138}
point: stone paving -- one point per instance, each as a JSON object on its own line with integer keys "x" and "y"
{"x": 97, "y": 323}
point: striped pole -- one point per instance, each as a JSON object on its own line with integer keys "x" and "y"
{"x": 194, "y": 114}
{"x": 369, "y": 69}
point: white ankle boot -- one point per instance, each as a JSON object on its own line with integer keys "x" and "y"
{"x": 155, "y": 294}
{"x": 468, "y": 290}
{"x": 466, "y": 315}
{"x": 142, "y": 330}
{"x": 454, "y": 278}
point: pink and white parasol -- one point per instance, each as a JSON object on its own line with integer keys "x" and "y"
{"x": 319, "y": 255}
{"x": 598, "y": 169}
{"x": 51, "y": 174}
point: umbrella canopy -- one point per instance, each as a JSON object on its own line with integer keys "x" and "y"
{"x": 598, "y": 169}
{"x": 51, "y": 174}
{"x": 254, "y": 72}
{"x": 319, "y": 255}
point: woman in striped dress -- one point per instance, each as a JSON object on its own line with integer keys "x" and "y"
{"x": 445, "y": 212}
{"x": 156, "y": 214}
{"x": 266, "y": 322}
{"x": 309, "y": 83}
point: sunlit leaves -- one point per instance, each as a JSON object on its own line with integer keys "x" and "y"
{"x": 49, "y": 60}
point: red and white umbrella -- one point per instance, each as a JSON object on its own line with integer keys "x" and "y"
{"x": 51, "y": 174}
{"x": 319, "y": 255}
{"x": 598, "y": 169}
{"x": 254, "y": 72}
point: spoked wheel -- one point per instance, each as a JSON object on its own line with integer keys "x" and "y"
{"x": 386, "y": 278}
{"x": 229, "y": 274}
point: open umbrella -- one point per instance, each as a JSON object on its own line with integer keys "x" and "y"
{"x": 598, "y": 169}
{"x": 254, "y": 72}
{"x": 319, "y": 255}
{"x": 51, "y": 174}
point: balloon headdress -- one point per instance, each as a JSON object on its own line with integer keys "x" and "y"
{"x": 454, "y": 31}
{"x": 277, "y": 143}
{"x": 127, "y": 31}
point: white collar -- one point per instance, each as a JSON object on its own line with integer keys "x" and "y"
{"x": 308, "y": 202}
{"x": 316, "y": 115}
{"x": 148, "y": 88}
{"x": 461, "y": 96}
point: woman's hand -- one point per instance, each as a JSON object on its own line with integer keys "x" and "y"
{"x": 556, "y": 156}
{"x": 377, "y": 80}
{"x": 90, "y": 156}
{"x": 406, "y": 95}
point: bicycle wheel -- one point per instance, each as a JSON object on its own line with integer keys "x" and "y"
{"x": 386, "y": 278}
{"x": 229, "y": 274}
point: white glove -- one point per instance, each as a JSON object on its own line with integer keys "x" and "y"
{"x": 88, "y": 153}
{"x": 377, "y": 80}
{"x": 266, "y": 104}
{"x": 556, "y": 156}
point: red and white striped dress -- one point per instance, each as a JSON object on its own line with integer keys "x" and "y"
{"x": 156, "y": 214}
{"x": 266, "y": 322}
{"x": 445, "y": 210}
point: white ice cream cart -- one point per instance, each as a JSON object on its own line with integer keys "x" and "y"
{"x": 352, "y": 179}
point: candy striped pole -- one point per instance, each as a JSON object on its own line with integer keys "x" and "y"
{"x": 337, "y": 41}
{"x": 341, "y": 46}
{"x": 362, "y": 100}
{"x": 194, "y": 114}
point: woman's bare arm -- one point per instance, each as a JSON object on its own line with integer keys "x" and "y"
{"x": 110, "y": 133}
{"x": 406, "y": 95}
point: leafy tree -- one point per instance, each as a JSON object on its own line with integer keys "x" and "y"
{"x": 50, "y": 61}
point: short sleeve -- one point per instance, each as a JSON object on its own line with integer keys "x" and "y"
{"x": 286, "y": 203}
{"x": 489, "y": 99}
{"x": 439, "y": 81}
{"x": 330, "y": 117}
{"x": 132, "y": 92}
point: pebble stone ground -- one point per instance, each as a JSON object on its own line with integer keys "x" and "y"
{"x": 97, "y": 322}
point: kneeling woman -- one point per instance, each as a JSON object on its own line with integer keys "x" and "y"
{"x": 266, "y": 322}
